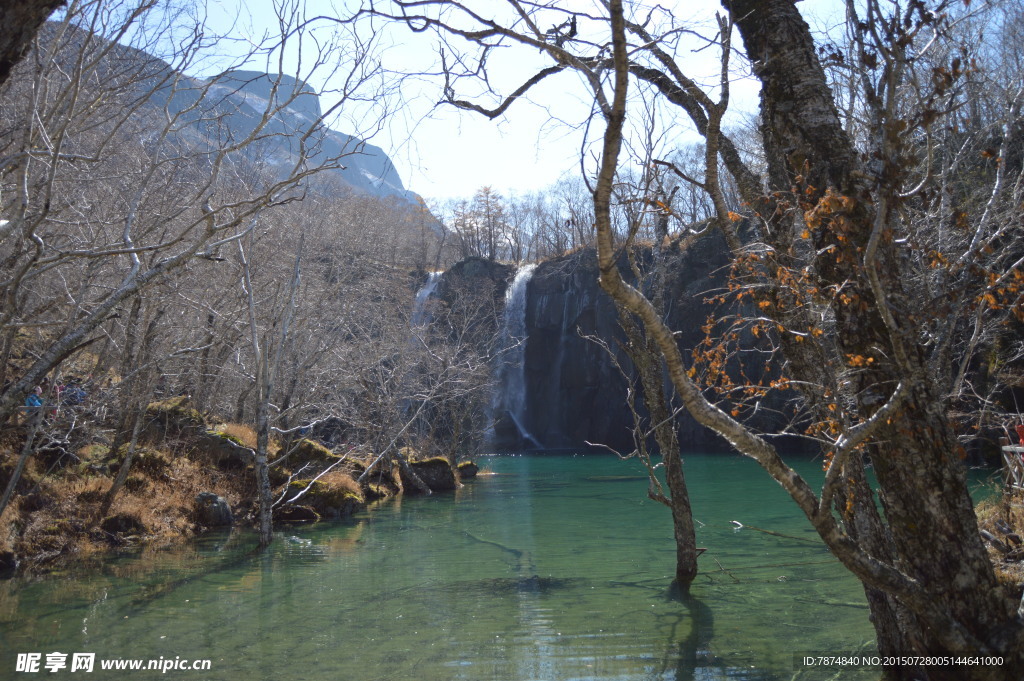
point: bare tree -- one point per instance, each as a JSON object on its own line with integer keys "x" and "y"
{"x": 136, "y": 389}
{"x": 124, "y": 176}
{"x": 423, "y": 386}
{"x": 123, "y": 169}
{"x": 268, "y": 345}
{"x": 836, "y": 272}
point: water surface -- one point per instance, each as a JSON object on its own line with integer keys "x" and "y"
{"x": 549, "y": 568}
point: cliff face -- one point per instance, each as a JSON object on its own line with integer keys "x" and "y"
{"x": 575, "y": 394}
{"x": 571, "y": 391}
{"x": 243, "y": 97}
{"x": 211, "y": 113}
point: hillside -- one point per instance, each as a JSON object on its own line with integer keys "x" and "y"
{"x": 211, "y": 113}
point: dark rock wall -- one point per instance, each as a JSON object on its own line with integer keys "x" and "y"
{"x": 575, "y": 394}
{"x": 475, "y": 288}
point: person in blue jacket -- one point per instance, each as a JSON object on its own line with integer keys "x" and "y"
{"x": 35, "y": 398}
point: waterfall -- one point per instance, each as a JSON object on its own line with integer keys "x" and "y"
{"x": 420, "y": 315}
{"x": 510, "y": 396}
{"x": 419, "y": 320}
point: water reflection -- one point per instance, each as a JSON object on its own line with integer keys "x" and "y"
{"x": 555, "y": 568}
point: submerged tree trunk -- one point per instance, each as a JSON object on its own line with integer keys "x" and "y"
{"x": 682, "y": 517}
{"x": 266, "y": 500}
{"x": 648, "y": 365}
{"x": 643, "y": 351}
{"x": 668, "y": 444}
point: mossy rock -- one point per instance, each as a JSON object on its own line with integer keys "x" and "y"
{"x": 86, "y": 468}
{"x": 180, "y": 407}
{"x": 145, "y": 460}
{"x": 212, "y": 510}
{"x": 385, "y": 475}
{"x": 437, "y": 473}
{"x": 53, "y": 458}
{"x": 175, "y": 416}
{"x": 293, "y": 513}
{"x": 229, "y": 437}
{"x": 374, "y": 491}
{"x": 330, "y": 501}
{"x": 311, "y": 451}
{"x": 123, "y": 523}
{"x": 223, "y": 450}
{"x": 94, "y": 453}
{"x": 355, "y": 467}
{"x": 278, "y": 475}
{"x": 467, "y": 469}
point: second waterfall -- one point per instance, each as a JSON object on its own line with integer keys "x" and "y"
{"x": 508, "y": 405}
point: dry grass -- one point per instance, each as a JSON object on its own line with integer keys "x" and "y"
{"x": 241, "y": 432}
{"x": 7, "y": 519}
{"x": 83, "y": 490}
{"x": 60, "y": 522}
{"x": 342, "y": 480}
{"x": 64, "y": 523}
{"x": 1009, "y": 508}
{"x": 245, "y": 435}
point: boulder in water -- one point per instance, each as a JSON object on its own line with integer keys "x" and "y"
{"x": 213, "y": 510}
{"x": 334, "y": 495}
{"x": 437, "y": 473}
{"x": 295, "y": 514}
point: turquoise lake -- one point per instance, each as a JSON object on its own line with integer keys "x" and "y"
{"x": 544, "y": 568}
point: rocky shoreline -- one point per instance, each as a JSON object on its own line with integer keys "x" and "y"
{"x": 189, "y": 475}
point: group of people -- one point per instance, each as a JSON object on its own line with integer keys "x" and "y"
{"x": 66, "y": 394}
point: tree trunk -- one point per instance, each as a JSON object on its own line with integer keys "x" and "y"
{"x": 894, "y": 623}
{"x": 136, "y": 391}
{"x": 682, "y": 515}
{"x": 646, "y": 358}
{"x": 958, "y": 606}
{"x": 647, "y": 361}
{"x": 20, "y": 20}
{"x": 266, "y": 500}
{"x": 35, "y": 421}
